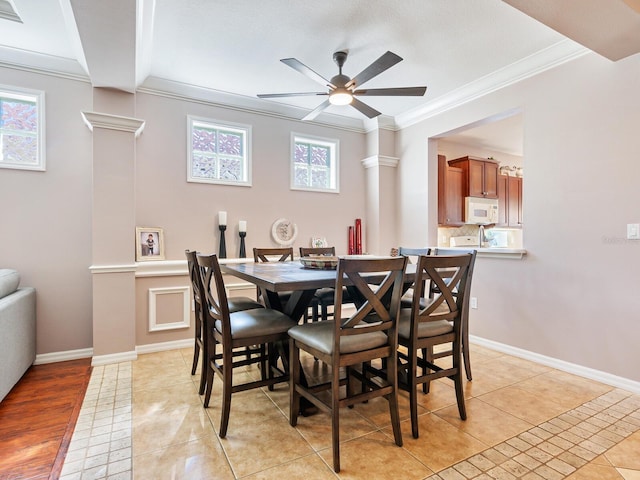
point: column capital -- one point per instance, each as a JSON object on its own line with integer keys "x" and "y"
{"x": 380, "y": 161}
{"x": 113, "y": 122}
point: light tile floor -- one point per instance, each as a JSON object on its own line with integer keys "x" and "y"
{"x": 145, "y": 420}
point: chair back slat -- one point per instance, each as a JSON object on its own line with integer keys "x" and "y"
{"x": 267, "y": 254}
{"x": 216, "y": 307}
{"x": 450, "y": 275}
{"x": 376, "y": 313}
{"x": 306, "y": 251}
{"x": 194, "y": 277}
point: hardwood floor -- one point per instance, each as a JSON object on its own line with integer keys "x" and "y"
{"x": 37, "y": 419}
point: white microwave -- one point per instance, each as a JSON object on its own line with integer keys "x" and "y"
{"x": 480, "y": 210}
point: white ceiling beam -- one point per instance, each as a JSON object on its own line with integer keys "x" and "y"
{"x": 107, "y": 32}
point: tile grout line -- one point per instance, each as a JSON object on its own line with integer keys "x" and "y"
{"x": 101, "y": 445}
{"x": 558, "y": 447}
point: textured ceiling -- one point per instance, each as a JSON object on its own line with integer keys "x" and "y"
{"x": 232, "y": 48}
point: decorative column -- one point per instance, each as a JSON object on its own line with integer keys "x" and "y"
{"x": 113, "y": 228}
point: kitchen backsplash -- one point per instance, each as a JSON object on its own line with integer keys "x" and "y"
{"x": 497, "y": 237}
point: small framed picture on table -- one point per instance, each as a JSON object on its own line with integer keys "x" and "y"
{"x": 149, "y": 244}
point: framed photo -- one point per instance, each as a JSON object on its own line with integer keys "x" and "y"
{"x": 149, "y": 244}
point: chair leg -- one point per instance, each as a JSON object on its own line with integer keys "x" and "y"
{"x": 203, "y": 372}
{"x": 209, "y": 382}
{"x": 460, "y": 396}
{"x": 465, "y": 348}
{"x": 227, "y": 383}
{"x": 335, "y": 418}
{"x": 294, "y": 379}
{"x": 412, "y": 372}
{"x": 392, "y": 398}
{"x": 196, "y": 354}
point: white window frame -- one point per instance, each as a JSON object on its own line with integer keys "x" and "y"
{"x": 221, "y": 125}
{"x": 334, "y": 167}
{"x": 29, "y": 96}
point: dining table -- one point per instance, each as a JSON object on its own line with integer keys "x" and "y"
{"x": 302, "y": 282}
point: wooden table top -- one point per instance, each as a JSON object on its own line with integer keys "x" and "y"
{"x": 286, "y": 276}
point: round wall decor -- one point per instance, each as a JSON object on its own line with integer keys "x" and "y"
{"x": 284, "y": 232}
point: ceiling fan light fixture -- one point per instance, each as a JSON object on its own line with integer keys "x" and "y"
{"x": 340, "y": 96}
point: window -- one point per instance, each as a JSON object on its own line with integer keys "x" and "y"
{"x": 314, "y": 164}
{"x": 21, "y": 129}
{"x": 219, "y": 152}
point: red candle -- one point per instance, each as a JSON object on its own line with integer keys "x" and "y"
{"x": 351, "y": 240}
{"x": 358, "y": 236}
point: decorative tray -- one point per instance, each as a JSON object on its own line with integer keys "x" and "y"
{"x": 320, "y": 262}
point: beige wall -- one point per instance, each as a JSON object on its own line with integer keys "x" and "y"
{"x": 574, "y": 296}
{"x": 45, "y": 226}
{"x": 188, "y": 211}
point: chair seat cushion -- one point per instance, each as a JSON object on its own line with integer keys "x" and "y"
{"x": 257, "y": 322}
{"x": 319, "y": 335}
{"x": 237, "y": 304}
{"x": 425, "y": 329}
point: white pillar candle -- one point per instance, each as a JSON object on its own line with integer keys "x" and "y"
{"x": 242, "y": 226}
{"x": 222, "y": 218}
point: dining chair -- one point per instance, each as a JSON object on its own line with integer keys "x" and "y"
{"x": 465, "y": 314}
{"x": 236, "y": 304}
{"x": 440, "y": 323}
{"x": 324, "y": 297}
{"x": 257, "y": 329}
{"x": 369, "y": 333}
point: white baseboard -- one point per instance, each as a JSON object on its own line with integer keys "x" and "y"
{"x": 161, "y": 347}
{"x": 53, "y": 357}
{"x": 597, "y": 375}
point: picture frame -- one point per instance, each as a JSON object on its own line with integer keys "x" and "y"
{"x": 149, "y": 244}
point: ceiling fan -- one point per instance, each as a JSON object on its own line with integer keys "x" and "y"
{"x": 342, "y": 89}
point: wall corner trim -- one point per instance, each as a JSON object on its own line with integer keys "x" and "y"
{"x": 113, "y": 122}
{"x": 380, "y": 161}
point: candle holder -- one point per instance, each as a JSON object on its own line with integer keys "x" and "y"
{"x": 243, "y": 251}
{"x": 223, "y": 246}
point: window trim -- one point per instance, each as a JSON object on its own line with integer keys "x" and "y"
{"x": 29, "y": 95}
{"x": 334, "y": 146}
{"x": 219, "y": 124}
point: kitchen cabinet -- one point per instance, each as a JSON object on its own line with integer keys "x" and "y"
{"x": 509, "y": 201}
{"x": 480, "y": 176}
{"x": 450, "y": 197}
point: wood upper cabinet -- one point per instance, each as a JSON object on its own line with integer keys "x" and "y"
{"x": 509, "y": 201}
{"x": 480, "y": 176}
{"x": 450, "y": 197}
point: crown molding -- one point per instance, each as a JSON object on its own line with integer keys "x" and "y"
{"x": 557, "y": 54}
{"x": 113, "y": 122}
{"x": 40, "y": 63}
{"x": 216, "y": 98}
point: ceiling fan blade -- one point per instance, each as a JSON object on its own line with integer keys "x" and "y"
{"x": 315, "y": 112}
{"x": 393, "y": 92}
{"x": 303, "y": 69}
{"x": 364, "y": 108}
{"x": 385, "y": 62}
{"x": 301, "y": 94}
